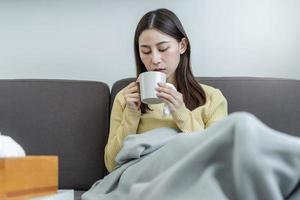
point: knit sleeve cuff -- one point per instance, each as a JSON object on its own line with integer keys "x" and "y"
{"x": 181, "y": 115}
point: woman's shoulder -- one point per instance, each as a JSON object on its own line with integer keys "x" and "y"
{"x": 119, "y": 97}
{"x": 209, "y": 90}
{"x": 212, "y": 93}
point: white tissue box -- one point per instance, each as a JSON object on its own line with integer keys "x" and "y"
{"x": 27, "y": 177}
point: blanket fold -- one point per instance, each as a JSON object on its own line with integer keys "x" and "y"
{"x": 236, "y": 158}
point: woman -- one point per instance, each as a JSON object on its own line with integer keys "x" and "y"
{"x": 161, "y": 44}
{"x": 237, "y": 158}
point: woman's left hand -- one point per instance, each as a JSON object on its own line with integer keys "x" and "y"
{"x": 173, "y": 98}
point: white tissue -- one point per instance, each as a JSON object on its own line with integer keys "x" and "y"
{"x": 10, "y": 148}
{"x": 166, "y": 109}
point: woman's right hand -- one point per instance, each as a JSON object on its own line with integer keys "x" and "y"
{"x": 131, "y": 95}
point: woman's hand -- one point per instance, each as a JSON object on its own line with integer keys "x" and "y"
{"x": 132, "y": 96}
{"x": 173, "y": 98}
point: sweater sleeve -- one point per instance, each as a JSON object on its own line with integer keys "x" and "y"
{"x": 187, "y": 121}
{"x": 191, "y": 121}
{"x": 217, "y": 109}
{"x": 123, "y": 121}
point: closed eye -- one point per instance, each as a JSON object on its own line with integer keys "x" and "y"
{"x": 148, "y": 52}
{"x": 162, "y": 50}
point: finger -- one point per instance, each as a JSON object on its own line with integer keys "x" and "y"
{"x": 132, "y": 84}
{"x": 132, "y": 95}
{"x": 132, "y": 89}
{"x": 167, "y": 85}
{"x": 131, "y": 99}
{"x": 171, "y": 92}
{"x": 169, "y": 98}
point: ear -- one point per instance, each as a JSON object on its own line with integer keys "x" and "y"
{"x": 183, "y": 45}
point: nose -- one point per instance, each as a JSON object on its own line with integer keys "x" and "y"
{"x": 156, "y": 58}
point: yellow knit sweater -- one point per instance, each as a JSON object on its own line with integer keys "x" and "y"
{"x": 125, "y": 121}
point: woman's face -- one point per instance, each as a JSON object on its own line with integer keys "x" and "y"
{"x": 160, "y": 52}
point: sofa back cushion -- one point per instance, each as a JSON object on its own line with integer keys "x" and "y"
{"x": 275, "y": 101}
{"x": 59, "y": 117}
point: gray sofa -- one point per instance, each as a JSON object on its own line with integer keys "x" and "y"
{"x": 71, "y": 118}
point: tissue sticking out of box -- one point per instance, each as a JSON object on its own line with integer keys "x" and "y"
{"x": 10, "y": 148}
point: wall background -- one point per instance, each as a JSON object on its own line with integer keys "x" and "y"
{"x": 93, "y": 39}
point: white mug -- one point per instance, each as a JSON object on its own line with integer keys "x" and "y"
{"x": 148, "y": 82}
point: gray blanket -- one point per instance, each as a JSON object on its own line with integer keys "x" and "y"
{"x": 236, "y": 158}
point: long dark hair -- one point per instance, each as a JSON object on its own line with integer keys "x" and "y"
{"x": 167, "y": 22}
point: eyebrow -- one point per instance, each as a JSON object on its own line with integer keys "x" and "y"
{"x": 162, "y": 42}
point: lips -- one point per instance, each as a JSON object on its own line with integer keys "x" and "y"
{"x": 160, "y": 69}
